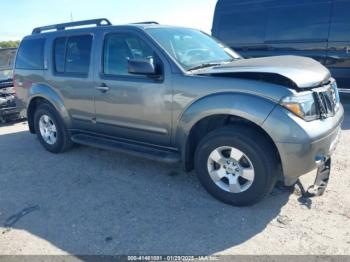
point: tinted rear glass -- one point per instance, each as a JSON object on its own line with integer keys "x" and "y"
{"x": 72, "y": 54}
{"x": 340, "y": 26}
{"x": 78, "y": 54}
{"x": 59, "y": 50}
{"x": 31, "y": 55}
{"x": 301, "y": 22}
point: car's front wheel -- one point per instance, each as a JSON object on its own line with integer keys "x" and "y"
{"x": 50, "y": 129}
{"x": 237, "y": 165}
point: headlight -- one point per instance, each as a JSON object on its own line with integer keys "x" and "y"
{"x": 302, "y": 105}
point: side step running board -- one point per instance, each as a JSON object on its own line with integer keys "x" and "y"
{"x": 128, "y": 148}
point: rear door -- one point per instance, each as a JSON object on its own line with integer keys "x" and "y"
{"x": 338, "y": 55}
{"x": 71, "y": 77}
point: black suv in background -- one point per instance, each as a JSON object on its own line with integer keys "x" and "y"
{"x": 8, "y": 108}
{"x": 315, "y": 28}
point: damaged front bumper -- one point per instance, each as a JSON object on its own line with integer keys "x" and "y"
{"x": 322, "y": 179}
{"x": 324, "y": 171}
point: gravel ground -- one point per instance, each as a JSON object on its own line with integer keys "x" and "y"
{"x": 89, "y": 201}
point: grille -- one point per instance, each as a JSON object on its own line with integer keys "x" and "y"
{"x": 328, "y": 100}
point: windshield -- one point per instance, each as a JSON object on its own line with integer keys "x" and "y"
{"x": 191, "y": 48}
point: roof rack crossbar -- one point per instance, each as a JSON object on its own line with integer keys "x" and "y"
{"x": 146, "y": 23}
{"x": 97, "y": 22}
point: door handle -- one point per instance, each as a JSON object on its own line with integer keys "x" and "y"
{"x": 348, "y": 49}
{"x": 103, "y": 88}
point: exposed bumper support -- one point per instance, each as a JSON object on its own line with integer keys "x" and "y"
{"x": 322, "y": 179}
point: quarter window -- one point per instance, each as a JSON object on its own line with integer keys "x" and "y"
{"x": 72, "y": 54}
{"x": 30, "y": 55}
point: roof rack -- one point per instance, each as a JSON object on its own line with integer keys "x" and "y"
{"x": 146, "y": 23}
{"x": 97, "y": 22}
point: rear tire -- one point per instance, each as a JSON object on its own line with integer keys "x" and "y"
{"x": 237, "y": 165}
{"x": 51, "y": 130}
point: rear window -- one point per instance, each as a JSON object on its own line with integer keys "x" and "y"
{"x": 301, "y": 22}
{"x": 72, "y": 54}
{"x": 30, "y": 55}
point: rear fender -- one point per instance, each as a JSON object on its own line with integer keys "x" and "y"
{"x": 48, "y": 94}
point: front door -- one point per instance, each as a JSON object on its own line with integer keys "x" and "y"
{"x": 133, "y": 107}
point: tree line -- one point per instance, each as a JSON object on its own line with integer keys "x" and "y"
{"x": 9, "y": 44}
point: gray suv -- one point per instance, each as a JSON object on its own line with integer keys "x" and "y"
{"x": 175, "y": 94}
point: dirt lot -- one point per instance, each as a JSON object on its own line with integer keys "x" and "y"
{"x": 89, "y": 201}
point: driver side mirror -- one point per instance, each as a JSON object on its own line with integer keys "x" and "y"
{"x": 142, "y": 67}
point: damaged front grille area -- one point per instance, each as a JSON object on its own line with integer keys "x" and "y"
{"x": 327, "y": 99}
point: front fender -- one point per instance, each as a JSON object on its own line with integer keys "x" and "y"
{"x": 49, "y": 94}
{"x": 247, "y": 106}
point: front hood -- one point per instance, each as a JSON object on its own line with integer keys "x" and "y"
{"x": 304, "y": 72}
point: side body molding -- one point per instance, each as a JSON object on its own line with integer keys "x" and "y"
{"x": 247, "y": 106}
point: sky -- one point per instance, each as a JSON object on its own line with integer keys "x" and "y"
{"x": 19, "y": 17}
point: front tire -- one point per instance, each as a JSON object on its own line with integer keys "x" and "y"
{"x": 51, "y": 130}
{"x": 236, "y": 165}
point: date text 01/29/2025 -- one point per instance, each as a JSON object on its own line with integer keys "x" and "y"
{"x": 172, "y": 258}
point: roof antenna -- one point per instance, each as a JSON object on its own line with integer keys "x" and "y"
{"x": 71, "y": 17}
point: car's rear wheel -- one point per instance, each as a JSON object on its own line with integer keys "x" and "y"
{"x": 236, "y": 165}
{"x": 50, "y": 129}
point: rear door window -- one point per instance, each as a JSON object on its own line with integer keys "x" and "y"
{"x": 340, "y": 25}
{"x": 298, "y": 22}
{"x": 59, "y": 54}
{"x": 72, "y": 55}
{"x": 30, "y": 55}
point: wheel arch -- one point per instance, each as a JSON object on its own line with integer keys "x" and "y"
{"x": 220, "y": 110}
{"x": 44, "y": 94}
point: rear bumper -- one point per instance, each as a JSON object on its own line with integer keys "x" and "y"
{"x": 303, "y": 146}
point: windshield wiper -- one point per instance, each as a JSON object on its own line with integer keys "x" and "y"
{"x": 203, "y": 66}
